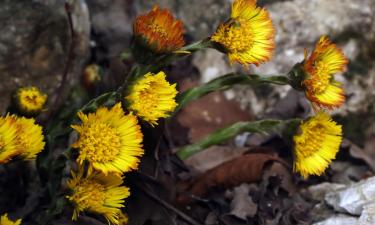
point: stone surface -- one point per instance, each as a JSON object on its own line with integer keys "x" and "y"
{"x": 339, "y": 220}
{"x": 353, "y": 198}
{"x": 368, "y": 215}
{"x": 318, "y": 192}
{"x": 34, "y": 43}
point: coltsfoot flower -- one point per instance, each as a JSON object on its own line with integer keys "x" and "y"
{"x": 91, "y": 76}
{"x": 248, "y": 36}
{"x": 8, "y": 140}
{"x": 29, "y": 136}
{"x": 320, "y": 87}
{"x": 152, "y": 97}
{"x": 159, "y": 31}
{"x": 30, "y": 100}
{"x": 98, "y": 193}
{"x": 109, "y": 140}
{"x": 4, "y": 220}
{"x": 316, "y": 144}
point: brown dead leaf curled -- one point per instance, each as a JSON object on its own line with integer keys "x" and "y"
{"x": 244, "y": 169}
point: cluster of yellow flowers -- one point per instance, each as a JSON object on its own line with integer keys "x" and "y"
{"x": 110, "y": 144}
{"x": 110, "y": 140}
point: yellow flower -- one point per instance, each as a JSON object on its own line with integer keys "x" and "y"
{"x": 30, "y": 100}
{"x": 4, "y": 220}
{"x": 109, "y": 140}
{"x": 152, "y": 97}
{"x": 316, "y": 145}
{"x": 159, "y": 31}
{"x": 98, "y": 193}
{"x": 29, "y": 136}
{"x": 321, "y": 88}
{"x": 91, "y": 76}
{"x": 248, "y": 37}
{"x": 8, "y": 139}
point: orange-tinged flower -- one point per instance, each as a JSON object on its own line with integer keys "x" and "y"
{"x": 321, "y": 88}
{"x": 248, "y": 37}
{"x": 159, "y": 31}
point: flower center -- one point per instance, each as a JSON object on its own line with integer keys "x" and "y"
{"x": 311, "y": 140}
{"x": 148, "y": 99}
{"x": 32, "y": 99}
{"x": 89, "y": 194}
{"x": 322, "y": 77}
{"x": 99, "y": 143}
{"x": 238, "y": 37}
{"x": 155, "y": 28}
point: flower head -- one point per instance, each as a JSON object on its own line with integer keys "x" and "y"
{"x": 8, "y": 139}
{"x": 248, "y": 37}
{"x": 91, "y": 76}
{"x": 109, "y": 140}
{"x": 30, "y": 100}
{"x": 316, "y": 145}
{"x": 29, "y": 136}
{"x": 98, "y": 193}
{"x": 152, "y": 97}
{"x": 159, "y": 31}
{"x": 4, "y": 220}
{"x": 321, "y": 88}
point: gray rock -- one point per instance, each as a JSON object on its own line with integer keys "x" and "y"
{"x": 368, "y": 215}
{"x": 34, "y": 44}
{"x": 354, "y": 198}
{"x": 318, "y": 192}
{"x": 339, "y": 220}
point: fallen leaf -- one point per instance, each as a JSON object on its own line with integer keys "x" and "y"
{"x": 213, "y": 156}
{"x": 243, "y": 169}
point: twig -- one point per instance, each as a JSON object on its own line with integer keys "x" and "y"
{"x": 68, "y": 65}
{"x": 184, "y": 216}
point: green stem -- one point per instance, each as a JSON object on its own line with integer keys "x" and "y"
{"x": 198, "y": 45}
{"x": 225, "y": 82}
{"x": 106, "y": 98}
{"x": 225, "y": 134}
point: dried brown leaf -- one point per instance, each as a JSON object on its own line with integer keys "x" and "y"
{"x": 244, "y": 169}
